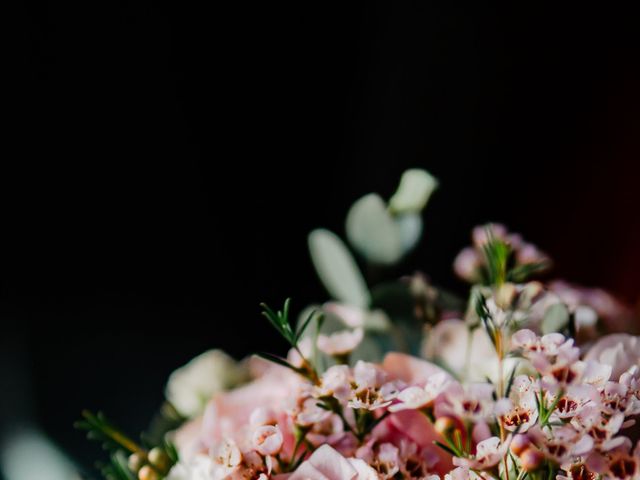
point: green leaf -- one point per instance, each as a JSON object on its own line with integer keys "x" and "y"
{"x": 278, "y": 360}
{"x": 280, "y": 321}
{"x": 373, "y": 232}
{"x": 98, "y": 428}
{"x": 497, "y": 255}
{"x": 337, "y": 269}
{"x": 556, "y": 318}
{"x": 414, "y": 191}
{"x": 521, "y": 273}
{"x": 409, "y": 227}
{"x": 510, "y": 381}
{"x": 303, "y": 327}
{"x": 445, "y": 448}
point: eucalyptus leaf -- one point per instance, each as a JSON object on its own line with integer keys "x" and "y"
{"x": 410, "y": 230}
{"x": 416, "y": 186}
{"x": 337, "y": 269}
{"x": 373, "y": 232}
{"x": 556, "y": 318}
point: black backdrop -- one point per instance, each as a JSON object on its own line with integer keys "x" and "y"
{"x": 169, "y": 162}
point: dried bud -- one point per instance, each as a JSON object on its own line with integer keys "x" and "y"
{"x": 148, "y": 473}
{"x": 136, "y": 462}
{"x": 519, "y": 443}
{"x": 531, "y": 459}
{"x": 159, "y": 459}
{"x": 444, "y": 425}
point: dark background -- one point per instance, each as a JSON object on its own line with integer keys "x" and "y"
{"x": 167, "y": 164}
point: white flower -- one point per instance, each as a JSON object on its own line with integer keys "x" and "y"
{"x": 336, "y": 382}
{"x": 224, "y": 460}
{"x": 311, "y": 413}
{"x": 489, "y": 453}
{"x": 325, "y": 463}
{"x": 470, "y": 355}
{"x": 472, "y": 402}
{"x": 340, "y": 343}
{"x": 416, "y": 397}
{"x": 370, "y": 390}
{"x": 267, "y": 440}
{"x": 200, "y": 467}
{"x": 620, "y": 351}
{"x": 190, "y": 387}
{"x": 575, "y": 400}
{"x": 530, "y": 342}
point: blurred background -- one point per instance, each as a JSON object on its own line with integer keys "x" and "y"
{"x": 168, "y": 164}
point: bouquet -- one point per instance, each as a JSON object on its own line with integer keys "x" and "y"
{"x": 404, "y": 380}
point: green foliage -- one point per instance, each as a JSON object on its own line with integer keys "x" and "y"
{"x": 100, "y": 429}
{"x": 280, "y": 321}
{"x": 117, "y": 468}
{"x": 497, "y": 253}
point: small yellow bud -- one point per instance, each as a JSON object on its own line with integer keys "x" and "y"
{"x": 148, "y": 473}
{"x": 136, "y": 462}
{"x": 159, "y": 459}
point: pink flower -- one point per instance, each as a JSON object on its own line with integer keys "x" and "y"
{"x": 467, "y": 264}
{"x": 600, "y": 428}
{"x": 416, "y": 397}
{"x": 413, "y": 427}
{"x": 263, "y": 416}
{"x": 409, "y": 369}
{"x": 620, "y": 351}
{"x": 577, "y": 398}
{"x": 227, "y": 414}
{"x": 530, "y": 342}
{"x": 310, "y": 413}
{"x": 489, "y": 453}
{"x": 326, "y": 464}
{"x": 370, "y": 391}
{"x": 267, "y": 440}
{"x": 340, "y": 343}
{"x": 472, "y": 402}
{"x": 336, "y": 382}
{"x": 561, "y": 444}
{"x": 616, "y": 316}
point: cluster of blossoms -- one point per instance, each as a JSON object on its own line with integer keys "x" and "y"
{"x": 553, "y": 411}
{"x": 519, "y": 383}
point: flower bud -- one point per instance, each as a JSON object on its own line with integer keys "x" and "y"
{"x": 519, "y": 443}
{"x": 159, "y": 459}
{"x": 136, "y": 462}
{"x": 148, "y": 473}
{"x": 267, "y": 440}
{"x": 444, "y": 425}
{"x": 531, "y": 459}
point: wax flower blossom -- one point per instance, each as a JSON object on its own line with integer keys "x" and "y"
{"x": 341, "y": 343}
{"x": 402, "y": 380}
